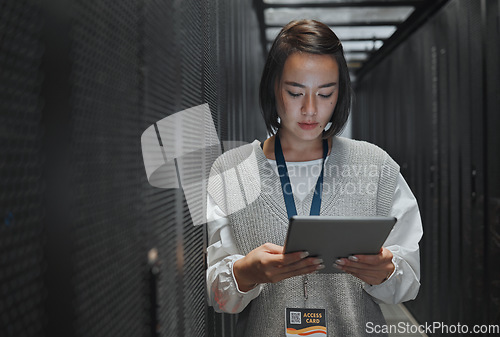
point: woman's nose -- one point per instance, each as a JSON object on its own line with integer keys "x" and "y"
{"x": 309, "y": 106}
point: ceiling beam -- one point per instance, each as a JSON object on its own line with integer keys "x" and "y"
{"x": 364, "y": 51}
{"x": 363, "y": 40}
{"x": 355, "y": 3}
{"x": 351, "y": 24}
{"x": 354, "y": 40}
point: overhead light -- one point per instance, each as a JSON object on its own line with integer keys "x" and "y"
{"x": 355, "y": 57}
{"x": 295, "y": 2}
{"x": 338, "y": 16}
{"x": 348, "y": 33}
{"x": 365, "y": 33}
{"x": 361, "y": 45}
{"x": 326, "y": 2}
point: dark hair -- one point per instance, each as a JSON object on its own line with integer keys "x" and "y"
{"x": 307, "y": 36}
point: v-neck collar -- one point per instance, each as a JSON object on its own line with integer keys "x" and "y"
{"x": 339, "y": 153}
{"x": 276, "y": 186}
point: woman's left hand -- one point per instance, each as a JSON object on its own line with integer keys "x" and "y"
{"x": 372, "y": 269}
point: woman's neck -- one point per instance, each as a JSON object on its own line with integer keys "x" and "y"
{"x": 296, "y": 150}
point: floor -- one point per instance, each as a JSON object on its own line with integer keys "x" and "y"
{"x": 400, "y": 321}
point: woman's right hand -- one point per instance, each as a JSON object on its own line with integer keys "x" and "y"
{"x": 268, "y": 264}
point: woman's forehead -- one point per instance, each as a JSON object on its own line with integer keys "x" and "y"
{"x": 311, "y": 68}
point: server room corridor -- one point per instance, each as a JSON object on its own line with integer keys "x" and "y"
{"x": 113, "y": 112}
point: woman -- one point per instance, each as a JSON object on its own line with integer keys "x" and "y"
{"x": 305, "y": 97}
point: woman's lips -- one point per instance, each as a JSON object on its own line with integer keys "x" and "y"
{"x": 308, "y": 126}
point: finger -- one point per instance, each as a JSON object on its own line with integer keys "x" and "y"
{"x": 303, "y": 267}
{"x": 292, "y": 258}
{"x": 357, "y": 267}
{"x": 356, "y": 264}
{"x": 302, "y": 271}
{"x": 297, "y": 268}
{"x": 276, "y": 274}
{"x": 372, "y": 277}
{"x": 367, "y": 259}
{"x": 284, "y": 258}
{"x": 275, "y": 257}
{"x": 384, "y": 255}
{"x": 365, "y": 272}
{"x": 305, "y": 263}
{"x": 369, "y": 276}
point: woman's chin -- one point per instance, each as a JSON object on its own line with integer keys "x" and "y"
{"x": 310, "y": 135}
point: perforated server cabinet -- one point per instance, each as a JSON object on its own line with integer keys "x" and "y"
{"x": 433, "y": 105}
{"x": 80, "y": 83}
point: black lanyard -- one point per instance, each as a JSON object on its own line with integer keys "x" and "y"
{"x": 286, "y": 187}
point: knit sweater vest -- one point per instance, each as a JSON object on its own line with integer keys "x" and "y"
{"x": 359, "y": 180}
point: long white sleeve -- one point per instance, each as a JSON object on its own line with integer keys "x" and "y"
{"x": 404, "y": 283}
{"x": 223, "y": 292}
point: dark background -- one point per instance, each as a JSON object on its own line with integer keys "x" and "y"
{"x": 81, "y": 80}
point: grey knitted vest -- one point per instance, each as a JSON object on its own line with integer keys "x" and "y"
{"x": 359, "y": 180}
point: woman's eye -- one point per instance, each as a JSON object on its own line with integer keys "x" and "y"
{"x": 293, "y": 94}
{"x": 326, "y": 96}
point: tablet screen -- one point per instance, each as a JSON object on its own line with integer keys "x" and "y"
{"x": 330, "y": 238}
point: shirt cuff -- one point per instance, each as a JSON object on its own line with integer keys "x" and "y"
{"x": 383, "y": 292}
{"x": 395, "y": 262}
{"x": 254, "y": 292}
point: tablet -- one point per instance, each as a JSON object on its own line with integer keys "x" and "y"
{"x": 330, "y": 238}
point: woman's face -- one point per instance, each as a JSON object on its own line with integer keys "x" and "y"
{"x": 309, "y": 91}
